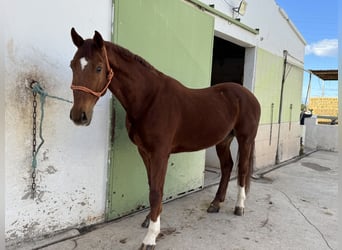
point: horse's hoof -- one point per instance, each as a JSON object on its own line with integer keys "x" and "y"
{"x": 146, "y": 223}
{"x": 147, "y": 247}
{"x": 240, "y": 211}
{"x": 213, "y": 208}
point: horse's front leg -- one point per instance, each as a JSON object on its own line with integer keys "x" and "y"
{"x": 156, "y": 172}
{"x": 147, "y": 161}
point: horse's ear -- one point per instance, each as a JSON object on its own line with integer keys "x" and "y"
{"x": 76, "y": 38}
{"x": 98, "y": 39}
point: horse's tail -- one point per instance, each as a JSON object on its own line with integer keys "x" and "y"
{"x": 250, "y": 167}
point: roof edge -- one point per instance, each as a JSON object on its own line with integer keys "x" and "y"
{"x": 292, "y": 25}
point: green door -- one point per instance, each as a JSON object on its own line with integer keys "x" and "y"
{"x": 177, "y": 39}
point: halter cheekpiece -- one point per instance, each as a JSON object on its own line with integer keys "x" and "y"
{"x": 109, "y": 78}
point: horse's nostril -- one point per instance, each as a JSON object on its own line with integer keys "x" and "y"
{"x": 84, "y": 117}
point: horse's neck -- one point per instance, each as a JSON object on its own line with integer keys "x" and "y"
{"x": 129, "y": 85}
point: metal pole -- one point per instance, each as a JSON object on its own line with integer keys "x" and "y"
{"x": 285, "y": 52}
{"x": 308, "y": 90}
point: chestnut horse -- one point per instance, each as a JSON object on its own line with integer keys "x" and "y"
{"x": 165, "y": 117}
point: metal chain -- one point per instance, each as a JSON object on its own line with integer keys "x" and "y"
{"x": 37, "y": 89}
{"x": 34, "y": 143}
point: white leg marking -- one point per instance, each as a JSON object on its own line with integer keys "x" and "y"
{"x": 241, "y": 197}
{"x": 83, "y": 62}
{"x": 153, "y": 231}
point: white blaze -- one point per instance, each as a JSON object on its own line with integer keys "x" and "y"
{"x": 241, "y": 197}
{"x": 153, "y": 231}
{"x": 83, "y": 62}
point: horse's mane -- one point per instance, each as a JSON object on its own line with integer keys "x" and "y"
{"x": 127, "y": 55}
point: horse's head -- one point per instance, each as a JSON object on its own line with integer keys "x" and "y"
{"x": 91, "y": 76}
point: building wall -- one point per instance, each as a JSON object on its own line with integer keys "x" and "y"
{"x": 263, "y": 75}
{"x": 268, "y": 79}
{"x": 71, "y": 187}
{"x": 276, "y": 31}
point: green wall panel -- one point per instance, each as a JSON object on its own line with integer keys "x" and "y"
{"x": 269, "y": 72}
{"x": 292, "y": 94}
{"x": 177, "y": 39}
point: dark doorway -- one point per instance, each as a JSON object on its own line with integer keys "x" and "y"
{"x": 228, "y": 62}
{"x": 227, "y": 66}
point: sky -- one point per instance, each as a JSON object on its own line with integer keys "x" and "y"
{"x": 317, "y": 21}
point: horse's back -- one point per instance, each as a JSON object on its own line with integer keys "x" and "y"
{"x": 207, "y": 116}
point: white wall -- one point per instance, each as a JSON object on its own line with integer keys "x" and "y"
{"x": 320, "y": 136}
{"x": 72, "y": 164}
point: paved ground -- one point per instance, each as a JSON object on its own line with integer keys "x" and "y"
{"x": 293, "y": 207}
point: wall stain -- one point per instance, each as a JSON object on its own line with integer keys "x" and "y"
{"x": 45, "y": 155}
{"x": 51, "y": 169}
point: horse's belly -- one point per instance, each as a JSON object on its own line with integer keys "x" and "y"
{"x": 197, "y": 140}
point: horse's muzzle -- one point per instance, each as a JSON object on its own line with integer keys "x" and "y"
{"x": 80, "y": 118}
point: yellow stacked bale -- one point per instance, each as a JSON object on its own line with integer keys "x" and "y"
{"x": 327, "y": 106}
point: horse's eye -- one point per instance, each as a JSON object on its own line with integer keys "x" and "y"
{"x": 98, "y": 69}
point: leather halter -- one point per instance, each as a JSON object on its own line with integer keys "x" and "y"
{"x": 109, "y": 78}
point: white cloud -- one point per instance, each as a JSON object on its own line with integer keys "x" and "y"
{"x": 325, "y": 47}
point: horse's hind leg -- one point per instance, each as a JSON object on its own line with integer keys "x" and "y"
{"x": 245, "y": 167}
{"x": 226, "y": 163}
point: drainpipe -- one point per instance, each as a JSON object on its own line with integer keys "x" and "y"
{"x": 281, "y": 106}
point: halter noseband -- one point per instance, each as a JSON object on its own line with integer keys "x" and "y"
{"x": 109, "y": 78}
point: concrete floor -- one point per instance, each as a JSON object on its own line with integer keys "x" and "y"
{"x": 293, "y": 207}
